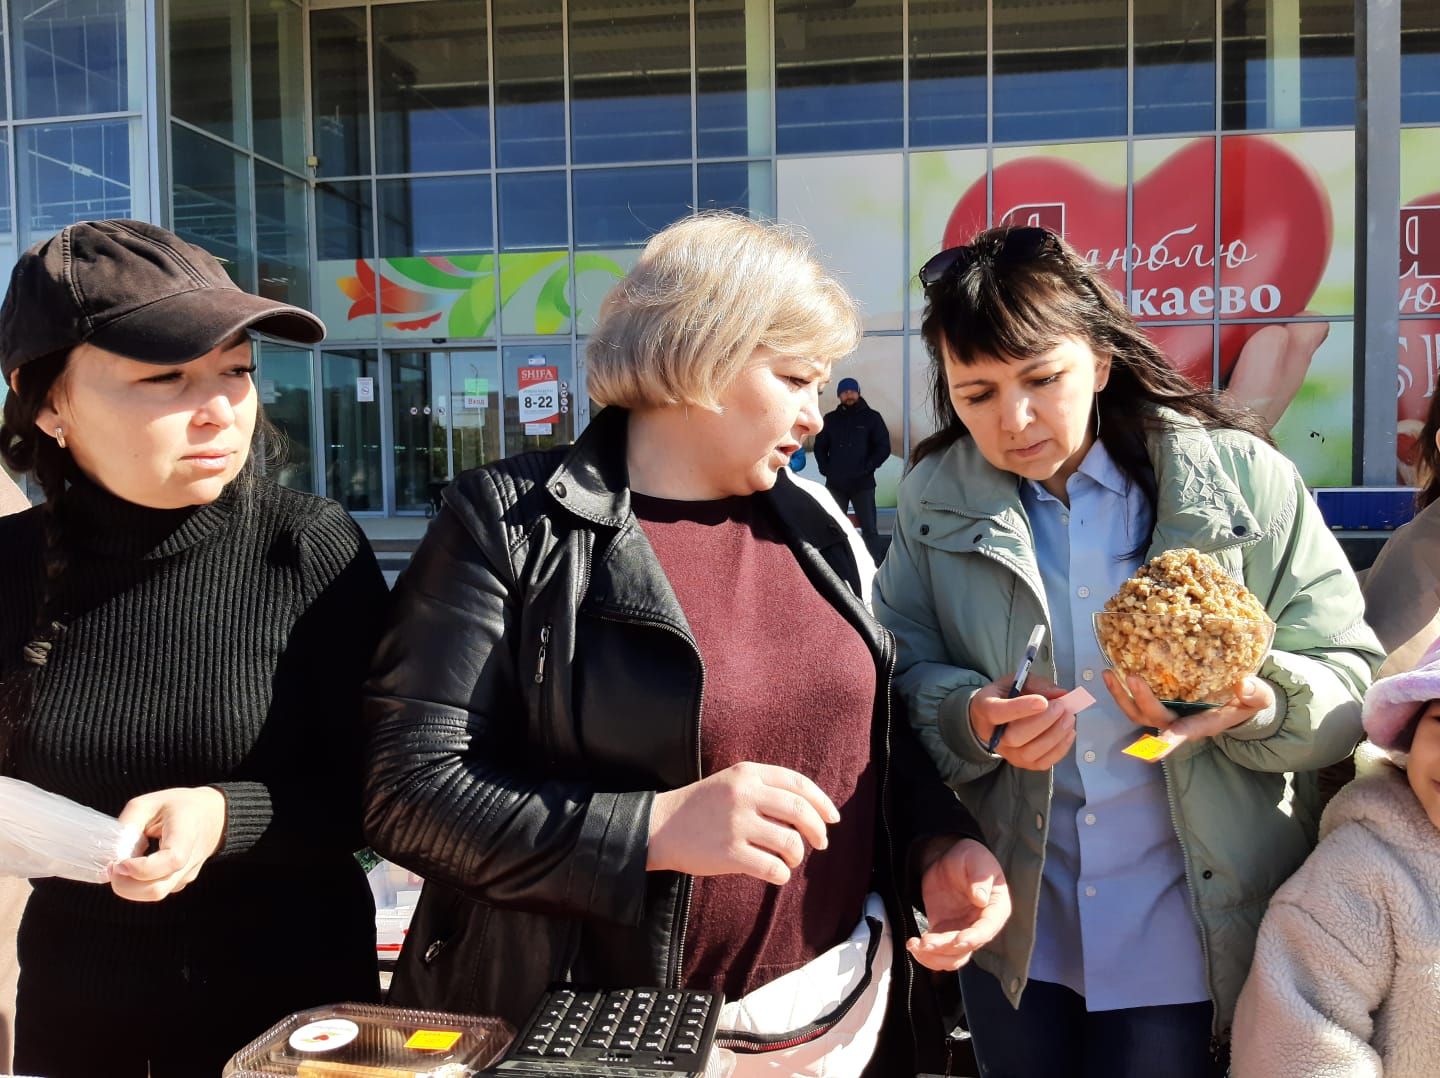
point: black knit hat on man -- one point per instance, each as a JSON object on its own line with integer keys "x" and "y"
{"x": 134, "y": 289}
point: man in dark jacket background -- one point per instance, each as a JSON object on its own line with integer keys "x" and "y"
{"x": 848, "y": 450}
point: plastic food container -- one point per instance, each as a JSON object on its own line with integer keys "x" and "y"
{"x": 362, "y": 1040}
{"x": 1190, "y": 663}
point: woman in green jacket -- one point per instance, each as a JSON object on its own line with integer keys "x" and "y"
{"x": 1068, "y": 454}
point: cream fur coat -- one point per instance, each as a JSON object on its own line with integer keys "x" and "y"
{"x": 1346, "y": 980}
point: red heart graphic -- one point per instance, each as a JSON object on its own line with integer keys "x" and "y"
{"x": 1419, "y": 368}
{"x": 1275, "y": 235}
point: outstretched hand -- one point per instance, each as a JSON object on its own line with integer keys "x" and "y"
{"x": 966, "y": 900}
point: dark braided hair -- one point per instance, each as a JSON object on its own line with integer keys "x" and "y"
{"x": 27, "y": 451}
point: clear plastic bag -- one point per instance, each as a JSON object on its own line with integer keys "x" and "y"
{"x": 44, "y": 834}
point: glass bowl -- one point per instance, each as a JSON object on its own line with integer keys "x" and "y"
{"x": 1190, "y": 663}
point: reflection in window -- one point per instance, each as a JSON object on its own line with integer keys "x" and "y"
{"x": 743, "y": 186}
{"x": 343, "y": 227}
{"x": 838, "y": 74}
{"x": 281, "y": 233}
{"x": 1288, "y": 63}
{"x": 630, "y": 62}
{"x": 1419, "y": 62}
{"x": 277, "y": 77}
{"x": 207, "y": 69}
{"x": 7, "y": 219}
{"x": 433, "y": 216}
{"x": 732, "y": 78}
{"x": 351, "y": 381}
{"x": 342, "y": 96}
{"x": 431, "y": 87}
{"x": 74, "y": 172}
{"x": 211, "y": 200}
{"x": 1174, "y": 66}
{"x": 1059, "y": 74}
{"x": 532, "y": 211}
{"x": 287, "y": 393}
{"x": 529, "y": 83}
{"x": 947, "y": 72}
{"x": 624, "y": 207}
{"x": 72, "y": 59}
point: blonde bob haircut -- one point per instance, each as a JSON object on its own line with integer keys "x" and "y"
{"x": 706, "y": 293}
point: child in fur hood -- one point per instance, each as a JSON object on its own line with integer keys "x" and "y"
{"x": 1346, "y": 978}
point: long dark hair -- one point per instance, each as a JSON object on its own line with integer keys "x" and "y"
{"x": 1427, "y": 458}
{"x": 991, "y": 307}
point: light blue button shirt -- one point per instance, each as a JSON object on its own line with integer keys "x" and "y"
{"x": 1114, "y": 922}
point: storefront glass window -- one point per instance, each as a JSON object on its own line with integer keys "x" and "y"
{"x": 743, "y": 186}
{"x": 1287, "y": 63}
{"x": 734, "y": 91}
{"x": 75, "y": 172}
{"x": 442, "y": 214}
{"x": 211, "y": 200}
{"x": 282, "y": 229}
{"x": 7, "y": 216}
{"x": 345, "y": 239}
{"x": 419, "y": 394}
{"x": 71, "y": 59}
{"x": 287, "y": 393}
{"x": 432, "y": 96}
{"x": 529, "y": 83}
{"x": 339, "y": 74}
{"x": 630, "y": 94}
{"x": 535, "y": 282}
{"x": 624, "y": 207}
{"x": 947, "y": 72}
{"x": 277, "y": 77}
{"x": 1059, "y": 73}
{"x": 351, "y": 381}
{"x": 839, "y": 76}
{"x": 344, "y": 228}
{"x": 1174, "y": 66}
{"x": 1419, "y": 62}
{"x": 207, "y": 67}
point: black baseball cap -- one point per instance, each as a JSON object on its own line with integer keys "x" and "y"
{"x": 135, "y": 289}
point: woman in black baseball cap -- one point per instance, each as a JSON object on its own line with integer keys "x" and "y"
{"x": 181, "y": 644}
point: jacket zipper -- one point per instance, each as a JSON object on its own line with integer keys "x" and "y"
{"x": 541, "y": 655}
{"x": 1194, "y": 901}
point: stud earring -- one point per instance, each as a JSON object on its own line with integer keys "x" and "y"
{"x": 60, "y": 437}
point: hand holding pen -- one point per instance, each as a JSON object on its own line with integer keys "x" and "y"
{"x": 1028, "y": 731}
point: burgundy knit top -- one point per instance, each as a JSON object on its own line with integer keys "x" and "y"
{"x": 789, "y": 682}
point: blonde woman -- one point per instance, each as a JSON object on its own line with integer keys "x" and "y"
{"x": 594, "y": 731}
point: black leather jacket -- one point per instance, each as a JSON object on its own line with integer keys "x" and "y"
{"x": 536, "y": 685}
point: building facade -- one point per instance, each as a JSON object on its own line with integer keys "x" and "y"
{"x": 454, "y": 185}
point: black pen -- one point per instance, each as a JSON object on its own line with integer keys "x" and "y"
{"x": 1032, "y": 648}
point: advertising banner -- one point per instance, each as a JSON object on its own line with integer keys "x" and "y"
{"x": 539, "y": 397}
{"x": 1240, "y": 302}
{"x": 1419, "y": 365}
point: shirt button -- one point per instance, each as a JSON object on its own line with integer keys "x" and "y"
{"x": 1090, "y": 756}
{"x": 1083, "y": 592}
{"x": 1064, "y": 518}
{"x": 1089, "y": 892}
{"x": 1039, "y": 822}
{"x": 1090, "y": 818}
{"x": 1087, "y": 675}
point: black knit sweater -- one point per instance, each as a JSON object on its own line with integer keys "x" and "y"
{"x": 220, "y": 646}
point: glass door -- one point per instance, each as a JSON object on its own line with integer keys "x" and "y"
{"x": 539, "y": 396}
{"x": 446, "y": 408}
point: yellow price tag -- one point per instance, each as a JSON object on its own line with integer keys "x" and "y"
{"x": 432, "y": 1040}
{"x": 1150, "y": 748}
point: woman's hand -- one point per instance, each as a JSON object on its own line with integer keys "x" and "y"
{"x": 750, "y": 819}
{"x": 1252, "y": 696}
{"x": 966, "y": 899}
{"x": 188, "y": 824}
{"x": 1037, "y": 733}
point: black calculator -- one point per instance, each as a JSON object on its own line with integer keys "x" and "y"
{"x": 629, "y": 1032}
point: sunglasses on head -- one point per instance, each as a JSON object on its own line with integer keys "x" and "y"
{"x": 1019, "y": 245}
